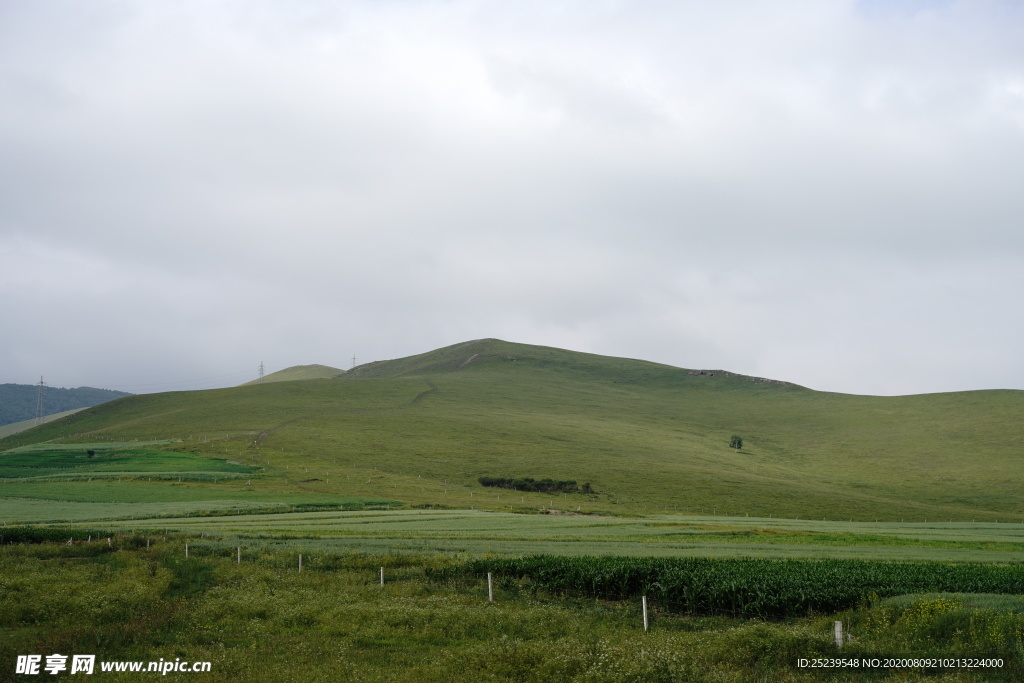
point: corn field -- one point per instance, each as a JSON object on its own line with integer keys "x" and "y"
{"x": 741, "y": 587}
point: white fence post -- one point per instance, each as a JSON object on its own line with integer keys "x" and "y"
{"x": 644, "y": 598}
{"x": 239, "y": 554}
{"x": 490, "y": 588}
{"x": 839, "y": 633}
{"x": 300, "y": 563}
{"x": 382, "y": 576}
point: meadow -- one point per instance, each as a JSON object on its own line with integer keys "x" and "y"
{"x": 528, "y": 532}
{"x": 381, "y": 467}
{"x": 648, "y": 438}
{"x": 139, "y": 598}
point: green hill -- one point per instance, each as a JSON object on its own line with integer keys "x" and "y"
{"x": 15, "y": 427}
{"x": 645, "y": 436}
{"x": 18, "y": 401}
{"x": 297, "y": 372}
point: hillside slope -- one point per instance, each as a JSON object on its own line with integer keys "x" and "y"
{"x": 299, "y": 372}
{"x": 645, "y": 436}
{"x": 18, "y": 401}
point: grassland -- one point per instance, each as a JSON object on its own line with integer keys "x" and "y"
{"x": 134, "y": 480}
{"x": 95, "y": 460}
{"x": 493, "y": 533}
{"x": 15, "y": 427}
{"x": 379, "y": 467}
{"x": 262, "y": 620}
{"x": 299, "y": 372}
{"x": 647, "y": 438}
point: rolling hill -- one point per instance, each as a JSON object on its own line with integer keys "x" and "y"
{"x": 18, "y": 401}
{"x": 647, "y": 437}
{"x": 298, "y": 372}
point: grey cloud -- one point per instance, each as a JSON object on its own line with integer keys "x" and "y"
{"x": 817, "y": 191}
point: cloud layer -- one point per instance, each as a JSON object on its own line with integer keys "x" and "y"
{"x": 821, "y": 192}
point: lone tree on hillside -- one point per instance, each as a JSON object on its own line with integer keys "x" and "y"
{"x": 736, "y": 442}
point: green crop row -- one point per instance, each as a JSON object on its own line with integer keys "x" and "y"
{"x": 742, "y": 587}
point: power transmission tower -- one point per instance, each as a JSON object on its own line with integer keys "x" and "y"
{"x": 40, "y": 388}
{"x": 353, "y": 361}
{"x": 261, "y": 372}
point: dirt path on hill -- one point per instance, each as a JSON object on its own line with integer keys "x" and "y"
{"x": 432, "y": 389}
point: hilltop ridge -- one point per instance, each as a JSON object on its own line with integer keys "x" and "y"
{"x": 299, "y": 372}
{"x": 494, "y": 353}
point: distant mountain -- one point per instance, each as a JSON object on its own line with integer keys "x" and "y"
{"x": 298, "y": 372}
{"x": 18, "y": 401}
{"x": 646, "y": 436}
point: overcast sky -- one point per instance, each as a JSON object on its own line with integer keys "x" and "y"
{"x": 825, "y": 192}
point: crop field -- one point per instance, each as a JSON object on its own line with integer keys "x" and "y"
{"x": 497, "y": 533}
{"x": 261, "y": 619}
{"x": 99, "y": 460}
{"x": 79, "y": 501}
{"x": 768, "y": 589}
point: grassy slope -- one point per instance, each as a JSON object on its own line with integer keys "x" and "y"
{"x": 297, "y": 372}
{"x": 15, "y": 427}
{"x": 648, "y": 437}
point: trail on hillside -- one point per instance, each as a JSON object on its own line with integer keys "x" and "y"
{"x": 419, "y": 397}
{"x": 267, "y": 432}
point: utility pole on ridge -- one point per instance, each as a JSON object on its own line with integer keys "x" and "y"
{"x": 39, "y": 400}
{"x": 261, "y": 373}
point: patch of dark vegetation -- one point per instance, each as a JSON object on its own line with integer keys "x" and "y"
{"x": 192, "y": 576}
{"x": 529, "y": 484}
{"x": 765, "y": 589}
{"x": 33, "y": 534}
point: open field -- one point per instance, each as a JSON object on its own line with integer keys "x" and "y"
{"x": 485, "y": 532}
{"x": 478, "y": 532}
{"x": 262, "y": 620}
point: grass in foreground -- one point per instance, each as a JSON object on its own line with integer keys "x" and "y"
{"x": 263, "y": 621}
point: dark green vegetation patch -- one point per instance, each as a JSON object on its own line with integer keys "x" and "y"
{"x": 745, "y": 587}
{"x": 530, "y": 484}
{"x": 82, "y": 461}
